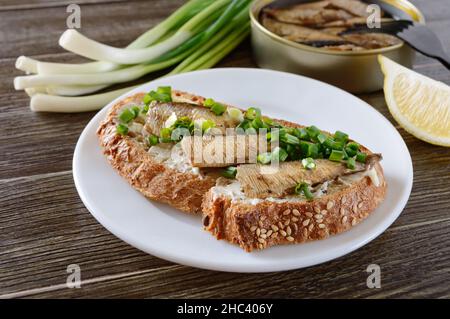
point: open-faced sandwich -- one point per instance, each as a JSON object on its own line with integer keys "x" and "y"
{"x": 257, "y": 181}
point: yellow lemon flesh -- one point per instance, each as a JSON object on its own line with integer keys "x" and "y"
{"x": 419, "y": 104}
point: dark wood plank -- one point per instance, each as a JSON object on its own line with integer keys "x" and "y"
{"x": 10, "y": 5}
{"x": 44, "y": 227}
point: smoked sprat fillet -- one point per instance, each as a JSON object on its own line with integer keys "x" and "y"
{"x": 251, "y": 211}
{"x": 323, "y": 24}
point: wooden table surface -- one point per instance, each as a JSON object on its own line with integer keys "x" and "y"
{"x": 44, "y": 227}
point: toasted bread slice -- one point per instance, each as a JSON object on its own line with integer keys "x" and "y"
{"x": 154, "y": 178}
{"x": 251, "y": 223}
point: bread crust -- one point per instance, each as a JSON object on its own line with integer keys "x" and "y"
{"x": 269, "y": 223}
{"x": 154, "y": 180}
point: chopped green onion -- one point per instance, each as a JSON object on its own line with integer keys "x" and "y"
{"x": 351, "y": 163}
{"x": 309, "y": 149}
{"x": 341, "y": 136}
{"x": 126, "y": 116}
{"x": 209, "y": 102}
{"x": 353, "y": 146}
{"x": 328, "y": 142}
{"x": 122, "y": 129}
{"x": 245, "y": 124}
{"x": 279, "y": 154}
{"x": 361, "y": 157}
{"x": 166, "y": 90}
{"x": 303, "y": 188}
{"x": 313, "y": 131}
{"x": 337, "y": 145}
{"x": 308, "y": 163}
{"x": 183, "y": 121}
{"x": 345, "y": 155}
{"x": 235, "y": 114}
{"x": 294, "y": 152}
{"x": 350, "y": 151}
{"x": 336, "y": 156}
{"x": 321, "y": 138}
{"x": 268, "y": 122}
{"x": 206, "y": 125}
{"x": 290, "y": 139}
{"x": 162, "y": 94}
{"x": 264, "y": 158}
{"x": 145, "y": 108}
{"x": 218, "y": 108}
{"x": 230, "y": 172}
{"x": 165, "y": 135}
{"x": 326, "y": 152}
{"x": 253, "y": 113}
{"x": 152, "y": 140}
{"x": 136, "y": 110}
{"x": 257, "y": 123}
{"x": 301, "y": 133}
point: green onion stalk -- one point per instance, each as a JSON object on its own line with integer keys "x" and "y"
{"x": 195, "y": 37}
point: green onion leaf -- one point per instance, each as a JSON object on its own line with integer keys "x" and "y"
{"x": 328, "y": 142}
{"x": 218, "y": 108}
{"x": 145, "y": 109}
{"x": 245, "y": 124}
{"x": 209, "y": 103}
{"x": 165, "y": 90}
{"x": 345, "y": 155}
{"x": 257, "y": 123}
{"x": 303, "y": 188}
{"x": 264, "y": 158}
{"x": 230, "y": 172}
{"x": 253, "y": 113}
{"x": 279, "y": 154}
{"x": 351, "y": 163}
{"x": 308, "y": 163}
{"x": 206, "y": 125}
{"x": 136, "y": 111}
{"x": 337, "y": 145}
{"x": 290, "y": 139}
{"x": 126, "y": 116}
{"x": 341, "y": 136}
{"x": 313, "y": 131}
{"x": 321, "y": 138}
{"x": 361, "y": 157}
{"x": 183, "y": 121}
{"x": 309, "y": 149}
{"x": 301, "y": 133}
{"x": 162, "y": 94}
{"x": 152, "y": 140}
{"x": 336, "y": 156}
{"x": 165, "y": 135}
{"x": 122, "y": 129}
{"x": 353, "y": 146}
{"x": 350, "y": 151}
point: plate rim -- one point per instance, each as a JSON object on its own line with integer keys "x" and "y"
{"x": 102, "y": 218}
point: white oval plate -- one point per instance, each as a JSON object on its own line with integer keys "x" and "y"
{"x": 169, "y": 234}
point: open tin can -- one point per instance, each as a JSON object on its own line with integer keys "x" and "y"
{"x": 353, "y": 71}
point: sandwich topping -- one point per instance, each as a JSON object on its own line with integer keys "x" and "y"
{"x": 263, "y": 158}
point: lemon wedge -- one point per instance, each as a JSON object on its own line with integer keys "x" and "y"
{"x": 419, "y": 104}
